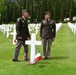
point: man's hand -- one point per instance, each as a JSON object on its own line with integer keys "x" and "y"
{"x": 53, "y": 39}
{"x": 40, "y": 38}
{"x": 20, "y": 38}
{"x": 29, "y": 38}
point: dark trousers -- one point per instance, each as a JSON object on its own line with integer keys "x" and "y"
{"x": 46, "y": 43}
{"x": 18, "y": 47}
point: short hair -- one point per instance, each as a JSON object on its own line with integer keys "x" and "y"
{"x": 23, "y": 11}
{"x": 47, "y": 13}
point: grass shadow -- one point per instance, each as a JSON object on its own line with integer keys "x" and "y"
{"x": 43, "y": 64}
{"x": 52, "y": 58}
{"x": 59, "y": 58}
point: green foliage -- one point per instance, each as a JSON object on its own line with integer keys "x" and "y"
{"x": 71, "y": 10}
{"x": 62, "y": 12}
{"x": 55, "y": 11}
{"x": 43, "y": 8}
{"x": 10, "y": 10}
{"x": 59, "y": 9}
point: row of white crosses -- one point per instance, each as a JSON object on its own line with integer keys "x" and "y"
{"x": 72, "y": 26}
{"x": 34, "y": 27}
{"x": 0, "y": 27}
{"x": 68, "y": 19}
{"x": 6, "y": 27}
{"x": 58, "y": 26}
{"x": 9, "y": 29}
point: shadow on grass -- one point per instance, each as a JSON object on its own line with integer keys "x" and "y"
{"x": 52, "y": 58}
{"x": 59, "y": 58}
{"x": 42, "y": 64}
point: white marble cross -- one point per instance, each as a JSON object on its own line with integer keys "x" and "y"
{"x": 14, "y": 35}
{"x": 33, "y": 43}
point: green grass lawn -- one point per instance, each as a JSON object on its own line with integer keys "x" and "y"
{"x": 63, "y": 57}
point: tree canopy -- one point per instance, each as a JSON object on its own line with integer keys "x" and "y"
{"x": 10, "y": 10}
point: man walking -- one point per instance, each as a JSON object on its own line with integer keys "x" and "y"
{"x": 22, "y": 35}
{"x": 47, "y": 34}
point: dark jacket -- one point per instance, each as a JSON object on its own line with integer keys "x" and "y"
{"x": 48, "y": 29}
{"x": 22, "y": 29}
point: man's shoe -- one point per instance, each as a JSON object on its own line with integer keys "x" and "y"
{"x": 26, "y": 59}
{"x": 16, "y": 60}
{"x": 48, "y": 57}
{"x": 44, "y": 58}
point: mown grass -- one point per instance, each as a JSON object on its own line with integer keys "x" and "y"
{"x": 63, "y": 57}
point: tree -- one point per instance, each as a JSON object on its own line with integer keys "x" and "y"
{"x": 15, "y": 13}
{"x": 55, "y": 10}
{"x": 62, "y": 12}
{"x": 67, "y": 8}
{"x": 32, "y": 12}
{"x": 43, "y": 8}
{"x": 24, "y": 4}
{"x": 71, "y": 10}
{"x": 50, "y": 7}
{"x": 10, "y": 10}
{"x": 39, "y": 14}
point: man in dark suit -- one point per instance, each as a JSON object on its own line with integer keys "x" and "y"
{"x": 22, "y": 35}
{"x": 47, "y": 34}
